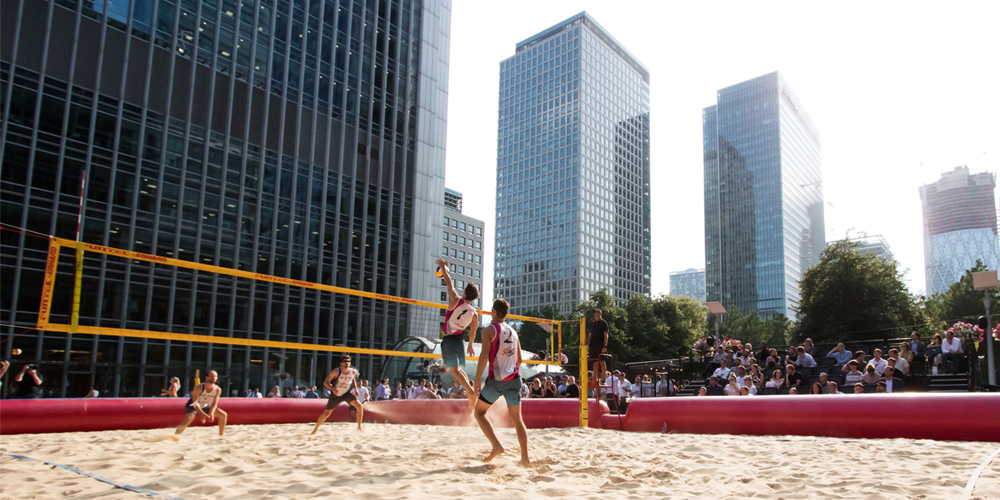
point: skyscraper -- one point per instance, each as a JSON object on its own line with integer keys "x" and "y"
{"x": 763, "y": 196}
{"x": 462, "y": 247}
{"x": 689, "y": 283}
{"x": 960, "y": 226}
{"x": 573, "y": 210}
{"x": 302, "y": 139}
{"x": 875, "y": 244}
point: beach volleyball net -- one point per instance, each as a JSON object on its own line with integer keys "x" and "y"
{"x": 91, "y": 289}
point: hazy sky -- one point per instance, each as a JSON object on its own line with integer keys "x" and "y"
{"x": 900, "y": 92}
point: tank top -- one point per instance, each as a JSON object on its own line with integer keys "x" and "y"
{"x": 457, "y": 319}
{"x": 503, "y": 353}
{"x": 207, "y": 397}
{"x": 344, "y": 382}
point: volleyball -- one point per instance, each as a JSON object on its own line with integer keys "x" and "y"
{"x": 16, "y": 352}
{"x": 438, "y": 272}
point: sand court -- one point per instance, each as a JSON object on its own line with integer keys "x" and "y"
{"x": 420, "y": 461}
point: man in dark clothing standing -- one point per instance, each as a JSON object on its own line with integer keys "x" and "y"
{"x": 597, "y": 344}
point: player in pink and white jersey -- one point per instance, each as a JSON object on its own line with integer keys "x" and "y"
{"x": 504, "y": 379}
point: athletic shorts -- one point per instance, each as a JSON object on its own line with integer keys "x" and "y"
{"x": 189, "y": 408}
{"x": 453, "y": 350}
{"x": 335, "y": 400}
{"x": 594, "y": 353}
{"x": 510, "y": 390}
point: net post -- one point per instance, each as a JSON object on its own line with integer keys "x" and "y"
{"x": 48, "y": 284}
{"x": 77, "y": 287}
{"x": 559, "y": 326}
{"x": 584, "y": 399}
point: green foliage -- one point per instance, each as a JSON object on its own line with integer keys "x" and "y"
{"x": 685, "y": 319}
{"x": 533, "y": 336}
{"x": 774, "y": 331}
{"x": 961, "y": 302}
{"x": 643, "y": 329}
{"x": 854, "y": 296}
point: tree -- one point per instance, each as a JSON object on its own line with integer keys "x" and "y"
{"x": 532, "y": 335}
{"x": 644, "y": 329}
{"x": 773, "y": 330}
{"x": 961, "y": 302}
{"x": 685, "y": 320}
{"x": 854, "y": 296}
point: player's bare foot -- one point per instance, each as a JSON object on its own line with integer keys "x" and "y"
{"x": 493, "y": 454}
{"x": 174, "y": 437}
{"x": 524, "y": 463}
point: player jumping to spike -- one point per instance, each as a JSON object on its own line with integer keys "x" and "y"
{"x": 460, "y": 315}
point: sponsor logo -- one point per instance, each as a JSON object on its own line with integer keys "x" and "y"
{"x": 50, "y": 269}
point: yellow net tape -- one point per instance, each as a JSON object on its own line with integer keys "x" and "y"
{"x": 45, "y": 308}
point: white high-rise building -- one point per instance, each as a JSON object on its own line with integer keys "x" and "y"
{"x": 960, "y": 226}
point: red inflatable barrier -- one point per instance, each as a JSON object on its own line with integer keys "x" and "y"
{"x": 952, "y": 417}
{"x": 20, "y": 416}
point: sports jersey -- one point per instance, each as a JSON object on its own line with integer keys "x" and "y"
{"x": 206, "y": 398}
{"x": 503, "y": 353}
{"x": 457, "y": 319}
{"x": 343, "y": 382}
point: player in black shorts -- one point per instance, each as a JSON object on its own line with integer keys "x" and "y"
{"x": 597, "y": 344}
{"x": 340, "y": 381}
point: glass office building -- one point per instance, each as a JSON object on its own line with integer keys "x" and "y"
{"x": 297, "y": 138}
{"x": 763, "y": 196}
{"x": 688, "y": 283}
{"x": 573, "y": 212}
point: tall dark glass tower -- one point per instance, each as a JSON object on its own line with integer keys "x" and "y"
{"x": 296, "y": 138}
{"x": 573, "y": 213}
{"x": 763, "y": 196}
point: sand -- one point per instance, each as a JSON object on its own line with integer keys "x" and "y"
{"x": 412, "y": 461}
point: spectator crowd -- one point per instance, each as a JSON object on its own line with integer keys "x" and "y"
{"x": 739, "y": 371}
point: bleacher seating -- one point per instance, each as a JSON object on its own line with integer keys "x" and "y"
{"x": 918, "y": 380}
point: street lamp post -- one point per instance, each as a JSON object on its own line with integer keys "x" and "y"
{"x": 986, "y": 281}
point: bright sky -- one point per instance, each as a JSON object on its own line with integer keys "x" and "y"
{"x": 900, "y": 92}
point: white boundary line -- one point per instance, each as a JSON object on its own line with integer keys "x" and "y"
{"x": 971, "y": 485}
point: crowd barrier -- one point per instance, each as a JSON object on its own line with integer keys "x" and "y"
{"x": 29, "y": 416}
{"x": 952, "y": 417}
{"x": 947, "y": 417}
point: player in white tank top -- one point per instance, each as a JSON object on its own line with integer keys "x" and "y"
{"x": 346, "y": 379}
{"x": 504, "y": 353}
{"x": 460, "y": 315}
{"x": 204, "y": 402}
{"x": 504, "y": 380}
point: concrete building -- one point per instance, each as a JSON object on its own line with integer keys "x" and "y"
{"x": 573, "y": 195}
{"x": 689, "y": 283}
{"x": 303, "y": 140}
{"x": 874, "y": 244}
{"x": 960, "y": 226}
{"x": 763, "y": 196}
